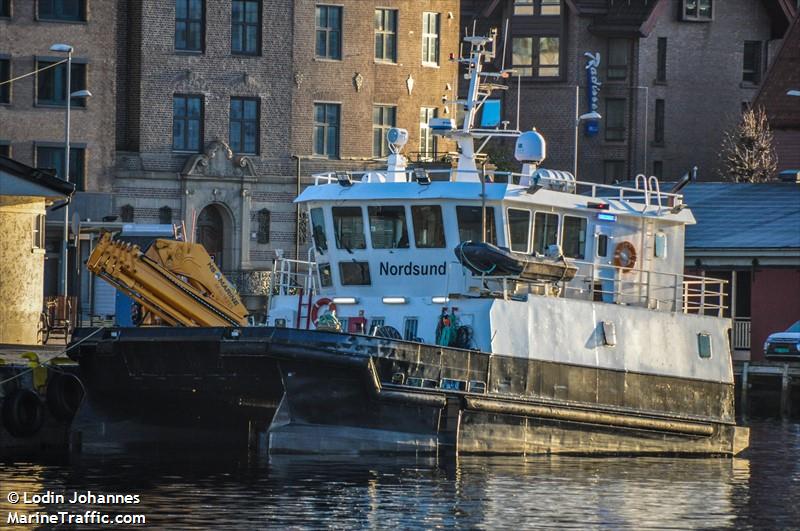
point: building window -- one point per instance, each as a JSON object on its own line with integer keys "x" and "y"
{"x": 383, "y": 119}
{"x": 246, "y": 27}
{"x": 51, "y": 84}
{"x": 658, "y": 169}
{"x": 189, "y": 25}
{"x": 386, "y": 35}
{"x": 430, "y": 38}
{"x": 613, "y": 171}
{"x": 39, "y": 232}
{"x": 326, "y": 129}
{"x": 697, "y": 10}
{"x": 329, "y": 32}
{"x": 536, "y": 57}
{"x": 618, "y": 53}
{"x": 5, "y": 75}
{"x": 615, "y": 119}
{"x": 658, "y": 133}
{"x": 5, "y": 148}
{"x": 165, "y": 215}
{"x": 244, "y": 120}
{"x": 72, "y": 10}
{"x": 52, "y": 158}
{"x": 427, "y": 140}
{"x": 537, "y": 7}
{"x": 751, "y": 68}
{"x": 187, "y": 123}
{"x": 661, "y": 68}
{"x": 5, "y": 8}
{"x": 263, "y": 226}
{"x": 126, "y": 213}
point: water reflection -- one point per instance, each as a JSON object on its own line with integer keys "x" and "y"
{"x": 241, "y": 491}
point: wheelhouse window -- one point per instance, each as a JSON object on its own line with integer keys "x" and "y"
{"x": 573, "y": 240}
{"x": 469, "y": 224}
{"x": 428, "y": 226}
{"x": 545, "y": 231}
{"x": 52, "y": 157}
{"x": 187, "y": 123}
{"x": 326, "y": 129}
{"x": 386, "y": 35}
{"x": 329, "y": 32}
{"x": 537, "y": 57}
{"x": 189, "y": 25}
{"x": 751, "y": 67}
{"x": 698, "y": 10}
{"x": 318, "y": 229}
{"x": 246, "y": 27}
{"x": 51, "y": 84}
{"x": 618, "y": 54}
{"x": 5, "y": 75}
{"x": 325, "y": 276}
{"x": 387, "y": 227}
{"x": 384, "y": 117}
{"x": 427, "y": 140}
{"x": 602, "y": 245}
{"x": 519, "y": 230}
{"x": 354, "y": 273}
{"x": 244, "y": 121}
{"x": 430, "y": 39}
{"x": 615, "y": 119}
{"x": 71, "y": 10}
{"x": 348, "y": 225}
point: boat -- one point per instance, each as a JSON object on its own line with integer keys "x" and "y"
{"x": 565, "y": 323}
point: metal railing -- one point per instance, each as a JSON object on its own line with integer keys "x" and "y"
{"x": 741, "y": 333}
{"x": 611, "y": 284}
{"x": 289, "y": 276}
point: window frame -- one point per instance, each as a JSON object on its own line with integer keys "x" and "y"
{"x": 529, "y": 225}
{"x": 363, "y": 263}
{"x": 426, "y": 134}
{"x": 614, "y": 66}
{"x": 535, "y": 66}
{"x": 328, "y": 31}
{"x": 491, "y": 227}
{"x": 244, "y": 24}
{"x": 441, "y": 228}
{"x": 6, "y": 92}
{"x": 5, "y": 145}
{"x": 608, "y": 162}
{"x": 583, "y": 247}
{"x": 382, "y": 33}
{"x": 535, "y": 7}
{"x": 77, "y": 152}
{"x": 661, "y": 60}
{"x": 659, "y": 121}
{"x": 382, "y": 128}
{"x": 696, "y": 17}
{"x": 186, "y": 119}
{"x": 364, "y": 224}
{"x": 264, "y": 225}
{"x": 6, "y": 7}
{"x": 623, "y": 130}
{"x": 370, "y": 216}
{"x": 428, "y": 37}
{"x": 188, "y": 21}
{"x": 82, "y": 76}
{"x": 242, "y": 123}
{"x": 82, "y": 13}
{"x": 533, "y": 232}
{"x": 326, "y": 126}
{"x": 757, "y": 71}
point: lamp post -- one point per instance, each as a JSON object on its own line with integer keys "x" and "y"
{"x": 66, "y": 48}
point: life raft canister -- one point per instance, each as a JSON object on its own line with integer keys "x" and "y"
{"x": 23, "y": 413}
{"x": 318, "y": 306}
{"x": 625, "y": 256}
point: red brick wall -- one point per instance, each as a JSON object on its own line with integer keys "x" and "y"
{"x": 775, "y": 305}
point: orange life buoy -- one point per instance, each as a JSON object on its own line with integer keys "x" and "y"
{"x": 318, "y": 305}
{"x": 625, "y": 256}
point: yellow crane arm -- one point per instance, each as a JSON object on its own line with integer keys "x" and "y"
{"x": 206, "y": 299}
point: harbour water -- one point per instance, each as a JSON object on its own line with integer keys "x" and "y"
{"x": 185, "y": 490}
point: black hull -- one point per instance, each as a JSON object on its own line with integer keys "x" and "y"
{"x": 358, "y": 394}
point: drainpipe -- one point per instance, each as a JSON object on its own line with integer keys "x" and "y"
{"x": 297, "y": 209}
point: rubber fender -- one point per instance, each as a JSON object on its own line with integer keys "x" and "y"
{"x": 64, "y": 396}
{"x": 23, "y": 413}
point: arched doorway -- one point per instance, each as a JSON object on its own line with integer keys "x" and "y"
{"x": 210, "y": 233}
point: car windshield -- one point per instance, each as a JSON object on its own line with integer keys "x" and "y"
{"x": 795, "y": 328}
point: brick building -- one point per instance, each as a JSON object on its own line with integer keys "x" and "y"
{"x": 672, "y": 76}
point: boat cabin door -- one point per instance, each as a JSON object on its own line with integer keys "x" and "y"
{"x": 605, "y": 275}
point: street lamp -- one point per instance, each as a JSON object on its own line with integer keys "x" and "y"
{"x": 66, "y": 48}
{"x": 578, "y": 119}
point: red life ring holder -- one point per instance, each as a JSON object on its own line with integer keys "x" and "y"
{"x": 318, "y": 306}
{"x": 625, "y": 256}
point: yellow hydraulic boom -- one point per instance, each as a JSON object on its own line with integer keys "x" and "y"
{"x": 177, "y": 282}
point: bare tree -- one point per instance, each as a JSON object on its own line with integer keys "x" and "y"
{"x": 747, "y": 154}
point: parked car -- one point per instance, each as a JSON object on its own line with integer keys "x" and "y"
{"x": 784, "y": 345}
